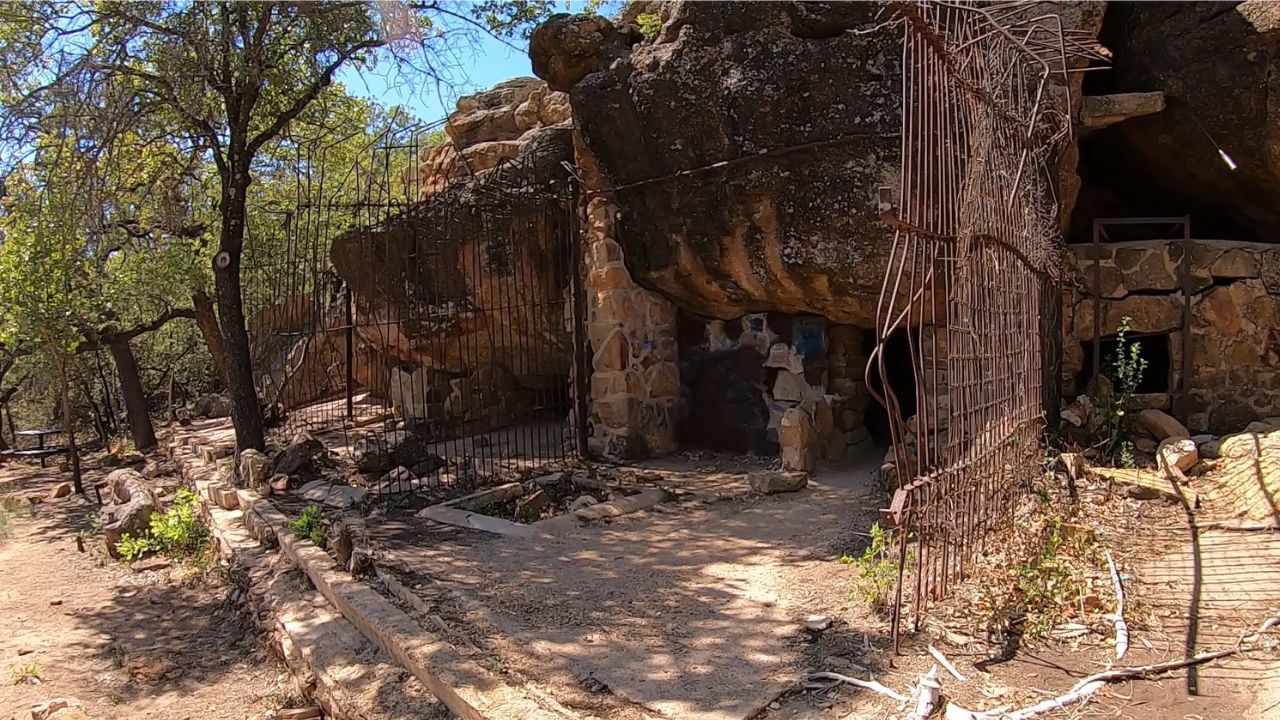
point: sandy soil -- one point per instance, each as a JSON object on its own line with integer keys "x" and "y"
{"x": 693, "y": 609}
{"x": 124, "y": 644}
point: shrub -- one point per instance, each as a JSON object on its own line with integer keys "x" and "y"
{"x": 1125, "y": 372}
{"x": 877, "y": 572}
{"x": 650, "y": 25}
{"x": 309, "y": 525}
{"x": 177, "y": 532}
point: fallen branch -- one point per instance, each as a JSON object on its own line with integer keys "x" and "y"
{"x": 928, "y": 695}
{"x": 1086, "y": 687}
{"x": 945, "y": 663}
{"x": 871, "y": 685}
{"x": 1122, "y": 628}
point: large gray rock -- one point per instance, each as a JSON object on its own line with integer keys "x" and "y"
{"x": 799, "y": 232}
{"x": 432, "y": 285}
{"x": 254, "y": 469}
{"x": 130, "y": 503}
{"x": 303, "y": 456}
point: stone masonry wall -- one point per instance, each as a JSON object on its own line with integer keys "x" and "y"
{"x": 1235, "y": 321}
{"x": 634, "y": 382}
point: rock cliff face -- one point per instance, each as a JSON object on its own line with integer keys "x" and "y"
{"x": 1218, "y": 65}
{"x": 800, "y": 99}
{"x": 471, "y": 281}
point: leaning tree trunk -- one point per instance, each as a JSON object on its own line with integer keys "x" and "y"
{"x": 68, "y": 427}
{"x": 246, "y": 413}
{"x": 207, "y": 321}
{"x": 135, "y": 399}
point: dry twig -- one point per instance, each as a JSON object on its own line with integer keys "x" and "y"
{"x": 1122, "y": 628}
{"x": 945, "y": 663}
{"x": 871, "y": 685}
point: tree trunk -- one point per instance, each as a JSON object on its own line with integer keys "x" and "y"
{"x": 207, "y": 321}
{"x": 135, "y": 400}
{"x": 246, "y": 413}
{"x": 68, "y": 427}
{"x": 112, "y": 423}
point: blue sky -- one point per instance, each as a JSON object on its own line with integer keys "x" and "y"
{"x": 490, "y": 62}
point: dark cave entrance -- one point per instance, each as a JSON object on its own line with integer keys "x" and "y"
{"x": 899, "y": 375}
{"x": 1155, "y": 348}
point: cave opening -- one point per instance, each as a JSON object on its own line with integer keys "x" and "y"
{"x": 1155, "y": 348}
{"x": 1164, "y": 164}
{"x": 899, "y": 376}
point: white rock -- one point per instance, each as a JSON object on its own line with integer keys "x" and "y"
{"x": 1178, "y": 452}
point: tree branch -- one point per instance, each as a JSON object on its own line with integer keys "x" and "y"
{"x": 311, "y": 93}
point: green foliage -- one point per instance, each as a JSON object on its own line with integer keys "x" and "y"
{"x": 1124, "y": 371}
{"x": 1046, "y": 584}
{"x": 877, "y": 571}
{"x": 650, "y": 25}
{"x": 309, "y": 525}
{"x": 177, "y": 532}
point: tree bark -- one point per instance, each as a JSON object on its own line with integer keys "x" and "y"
{"x": 246, "y": 413}
{"x": 135, "y": 400}
{"x": 68, "y": 427}
{"x": 207, "y": 321}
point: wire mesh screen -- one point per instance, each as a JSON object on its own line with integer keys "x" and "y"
{"x": 970, "y": 274}
{"x": 418, "y": 317}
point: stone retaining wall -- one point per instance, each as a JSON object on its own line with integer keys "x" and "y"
{"x": 1235, "y": 321}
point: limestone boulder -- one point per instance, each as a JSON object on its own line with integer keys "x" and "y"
{"x": 801, "y": 444}
{"x": 566, "y": 48}
{"x": 130, "y": 503}
{"x": 434, "y": 286}
{"x": 797, "y": 233}
{"x": 1178, "y": 452}
{"x": 1161, "y": 425}
{"x": 304, "y": 455}
{"x": 254, "y": 469}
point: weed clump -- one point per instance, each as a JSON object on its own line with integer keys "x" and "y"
{"x": 309, "y": 525}
{"x": 877, "y": 571}
{"x": 177, "y": 532}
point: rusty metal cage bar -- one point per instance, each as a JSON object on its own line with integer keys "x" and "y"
{"x": 482, "y": 268}
{"x": 975, "y": 254}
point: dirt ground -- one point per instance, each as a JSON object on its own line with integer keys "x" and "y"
{"x": 126, "y": 645}
{"x": 694, "y": 608}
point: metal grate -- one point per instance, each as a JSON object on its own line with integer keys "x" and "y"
{"x": 390, "y": 309}
{"x": 972, "y": 277}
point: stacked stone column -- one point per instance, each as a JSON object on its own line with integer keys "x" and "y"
{"x": 633, "y": 383}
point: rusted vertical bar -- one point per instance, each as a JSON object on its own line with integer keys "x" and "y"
{"x": 1184, "y": 269}
{"x": 351, "y": 355}
{"x": 579, "y": 300}
{"x": 1097, "y": 304}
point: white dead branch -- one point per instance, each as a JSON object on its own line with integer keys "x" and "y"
{"x": 1122, "y": 628}
{"x": 945, "y": 663}
{"x": 871, "y": 685}
{"x": 928, "y": 695}
{"x": 1086, "y": 687}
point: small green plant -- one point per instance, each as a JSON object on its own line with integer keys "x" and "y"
{"x": 1048, "y": 588}
{"x": 176, "y": 532}
{"x": 650, "y": 25}
{"x": 1125, "y": 370}
{"x": 309, "y": 525}
{"x": 877, "y": 572}
{"x": 25, "y": 674}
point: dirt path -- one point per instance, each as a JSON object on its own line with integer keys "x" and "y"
{"x": 124, "y": 644}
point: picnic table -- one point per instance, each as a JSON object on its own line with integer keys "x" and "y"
{"x": 41, "y": 450}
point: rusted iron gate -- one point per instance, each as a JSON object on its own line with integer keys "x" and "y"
{"x": 390, "y": 300}
{"x": 974, "y": 265}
